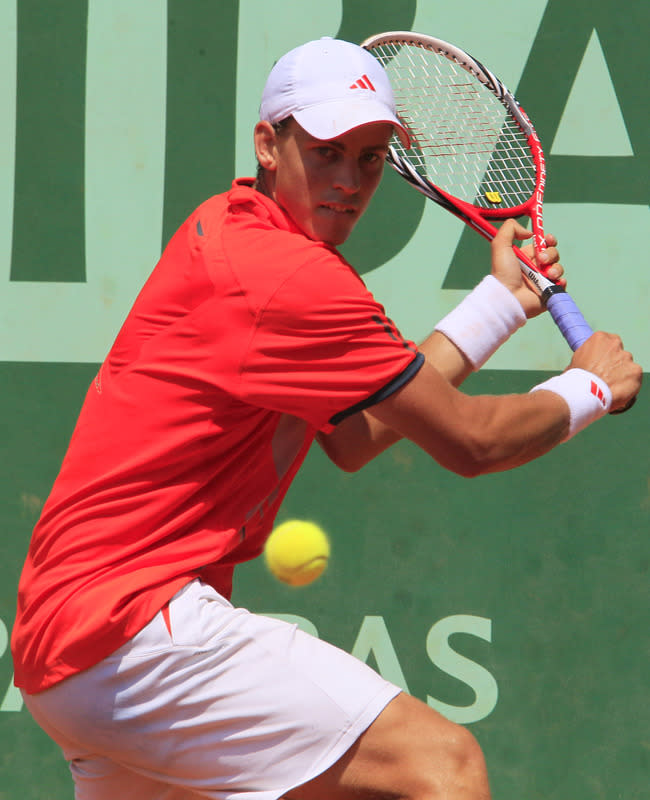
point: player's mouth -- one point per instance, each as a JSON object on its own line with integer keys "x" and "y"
{"x": 339, "y": 208}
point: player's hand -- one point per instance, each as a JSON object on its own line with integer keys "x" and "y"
{"x": 505, "y": 266}
{"x": 603, "y": 354}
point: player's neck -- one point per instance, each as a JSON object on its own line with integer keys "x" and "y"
{"x": 261, "y": 184}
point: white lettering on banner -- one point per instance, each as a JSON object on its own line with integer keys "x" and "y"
{"x": 4, "y": 638}
{"x": 474, "y": 675}
{"x": 124, "y": 181}
{"x": 124, "y": 186}
{"x": 592, "y": 121}
{"x": 374, "y": 638}
{"x": 12, "y": 700}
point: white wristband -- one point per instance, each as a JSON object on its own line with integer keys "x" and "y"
{"x": 483, "y": 320}
{"x": 588, "y": 396}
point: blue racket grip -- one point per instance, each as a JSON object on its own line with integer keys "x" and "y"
{"x": 573, "y": 325}
{"x": 568, "y": 318}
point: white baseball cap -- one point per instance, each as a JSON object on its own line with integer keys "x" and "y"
{"x": 330, "y": 87}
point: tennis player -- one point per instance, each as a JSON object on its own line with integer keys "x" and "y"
{"x": 252, "y": 338}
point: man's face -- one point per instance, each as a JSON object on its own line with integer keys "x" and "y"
{"x": 325, "y": 186}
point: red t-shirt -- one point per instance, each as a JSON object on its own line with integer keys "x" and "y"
{"x": 246, "y": 340}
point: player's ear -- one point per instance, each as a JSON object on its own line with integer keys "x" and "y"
{"x": 265, "y": 145}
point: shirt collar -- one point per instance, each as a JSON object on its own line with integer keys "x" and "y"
{"x": 242, "y": 193}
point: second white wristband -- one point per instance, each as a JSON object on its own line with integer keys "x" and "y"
{"x": 589, "y": 398}
{"x": 483, "y": 320}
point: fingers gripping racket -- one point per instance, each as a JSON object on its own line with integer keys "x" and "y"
{"x": 473, "y": 150}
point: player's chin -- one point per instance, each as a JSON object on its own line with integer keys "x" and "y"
{"x": 336, "y": 241}
{"x": 334, "y": 229}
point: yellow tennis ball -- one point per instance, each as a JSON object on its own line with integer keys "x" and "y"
{"x": 297, "y": 552}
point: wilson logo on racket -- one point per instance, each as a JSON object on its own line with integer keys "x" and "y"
{"x": 363, "y": 82}
{"x": 598, "y": 392}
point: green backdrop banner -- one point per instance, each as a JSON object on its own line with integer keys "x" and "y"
{"x": 514, "y": 603}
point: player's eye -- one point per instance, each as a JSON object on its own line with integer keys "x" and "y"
{"x": 327, "y": 152}
{"x": 374, "y": 157}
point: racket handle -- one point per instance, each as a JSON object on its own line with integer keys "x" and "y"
{"x": 568, "y": 318}
{"x": 574, "y": 327}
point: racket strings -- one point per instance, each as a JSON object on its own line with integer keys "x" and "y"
{"x": 464, "y": 139}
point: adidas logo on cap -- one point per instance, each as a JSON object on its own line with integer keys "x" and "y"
{"x": 363, "y": 82}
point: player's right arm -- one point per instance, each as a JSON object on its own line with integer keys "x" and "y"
{"x": 473, "y": 435}
{"x": 466, "y": 434}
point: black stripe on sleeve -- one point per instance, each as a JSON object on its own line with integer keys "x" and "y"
{"x": 392, "y": 386}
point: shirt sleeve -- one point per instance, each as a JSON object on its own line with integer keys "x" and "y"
{"x": 323, "y": 347}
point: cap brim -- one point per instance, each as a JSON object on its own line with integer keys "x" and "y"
{"x": 329, "y": 120}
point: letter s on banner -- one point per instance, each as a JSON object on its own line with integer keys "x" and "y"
{"x": 464, "y": 669}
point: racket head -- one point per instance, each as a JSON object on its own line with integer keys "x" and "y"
{"x": 470, "y": 137}
{"x": 474, "y": 150}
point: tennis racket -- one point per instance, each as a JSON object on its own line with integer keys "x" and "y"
{"x": 473, "y": 150}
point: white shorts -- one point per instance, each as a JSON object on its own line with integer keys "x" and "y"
{"x": 229, "y": 705}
